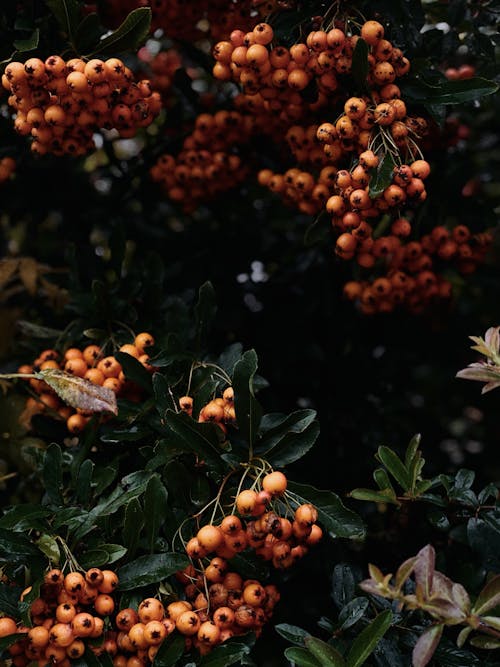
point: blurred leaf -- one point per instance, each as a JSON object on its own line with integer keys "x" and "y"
{"x": 318, "y": 231}
{"x": 382, "y": 177}
{"x": 8, "y": 267}
{"x": 374, "y": 496}
{"x": 426, "y": 645}
{"x": 9, "y": 597}
{"x": 366, "y": 641}
{"x": 334, "y": 516}
{"x": 248, "y": 410}
{"x": 344, "y": 584}
{"x": 28, "y": 272}
{"x": 28, "y": 44}
{"x": 79, "y": 392}
{"x": 448, "y": 92}
{"x": 155, "y": 508}
{"x": 485, "y": 643}
{"x": 150, "y": 569}
{"x": 128, "y": 36}
{"x": 67, "y": 13}
{"x": 204, "y": 310}
{"x": 301, "y": 657}
{"x": 360, "y": 64}
{"x": 52, "y": 473}
{"x": 36, "y": 330}
{"x": 13, "y": 545}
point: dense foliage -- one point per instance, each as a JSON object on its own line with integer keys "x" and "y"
{"x": 244, "y": 244}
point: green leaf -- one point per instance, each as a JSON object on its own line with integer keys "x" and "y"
{"x": 343, "y": 584}
{"x": 248, "y": 410}
{"x": 382, "y": 177}
{"x": 318, "y": 231}
{"x": 128, "y": 36}
{"x": 374, "y": 496}
{"x": 67, "y": 13}
{"x": 24, "y": 517}
{"x": 28, "y": 44}
{"x": 52, "y": 473}
{"x": 150, "y": 569}
{"x": 88, "y": 32}
{"x": 105, "y": 554}
{"x": 290, "y": 439}
{"x": 83, "y": 482}
{"x": 367, "y": 640}
{"x": 292, "y": 633}
{"x": 486, "y": 643}
{"x": 204, "y": 311}
{"x": 325, "y": 653}
{"x": 293, "y": 446}
{"x": 48, "y": 545}
{"x": 301, "y": 657}
{"x": 411, "y": 450}
{"x": 155, "y": 509}
{"x": 170, "y": 651}
{"x": 32, "y": 330}
{"x": 225, "y": 655}
{"x": 395, "y": 466}
{"x": 164, "y": 399}
{"x": 360, "y": 65}
{"x": 335, "y": 517}
{"x": 383, "y": 482}
{"x": 448, "y": 92}
{"x": 199, "y": 438}
{"x": 9, "y": 597}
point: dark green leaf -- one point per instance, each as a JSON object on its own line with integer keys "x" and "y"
{"x": 301, "y": 657}
{"x": 325, "y": 653}
{"x": 199, "y": 438}
{"x": 9, "y": 597}
{"x": 464, "y": 479}
{"x": 24, "y": 517}
{"x": 448, "y": 92}
{"x": 204, "y": 310}
{"x": 292, "y": 446}
{"x": 292, "y": 633}
{"x": 67, "y": 13}
{"x": 344, "y": 584}
{"x": 83, "y": 482}
{"x": 134, "y": 370}
{"x": 8, "y": 640}
{"x": 248, "y": 410}
{"x": 352, "y": 612}
{"x": 52, "y": 473}
{"x": 360, "y": 64}
{"x": 332, "y": 514}
{"x": 395, "y": 466}
{"x": 37, "y": 331}
{"x": 134, "y": 521}
{"x": 382, "y": 177}
{"x": 150, "y": 569}
{"x": 374, "y": 496}
{"x": 411, "y": 450}
{"x": 128, "y": 36}
{"x": 489, "y": 597}
{"x": 164, "y": 399}
{"x": 383, "y": 482}
{"x": 318, "y": 231}
{"x": 170, "y": 651}
{"x": 28, "y": 44}
{"x": 155, "y": 509}
{"x": 367, "y": 640}
{"x": 225, "y": 655}
{"x": 88, "y": 33}
{"x": 13, "y": 545}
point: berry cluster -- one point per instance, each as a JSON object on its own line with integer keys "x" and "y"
{"x": 220, "y": 410}
{"x": 91, "y": 364}
{"x": 7, "y": 168}
{"x": 62, "y": 104}
{"x": 207, "y": 164}
{"x": 69, "y": 616}
{"x": 221, "y": 603}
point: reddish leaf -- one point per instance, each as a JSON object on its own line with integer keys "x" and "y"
{"x": 426, "y": 645}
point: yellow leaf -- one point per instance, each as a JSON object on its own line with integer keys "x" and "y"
{"x": 78, "y": 392}
{"x": 28, "y": 272}
{"x": 8, "y": 267}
